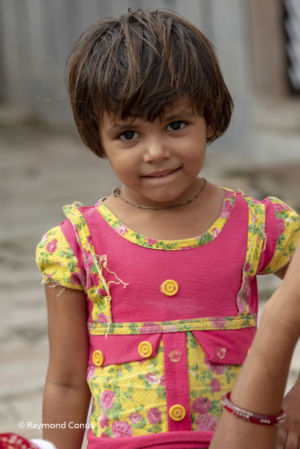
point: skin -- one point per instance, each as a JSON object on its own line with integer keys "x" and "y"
{"x": 66, "y": 393}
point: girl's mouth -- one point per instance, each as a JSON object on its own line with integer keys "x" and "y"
{"x": 162, "y": 173}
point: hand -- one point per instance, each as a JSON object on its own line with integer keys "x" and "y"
{"x": 289, "y": 432}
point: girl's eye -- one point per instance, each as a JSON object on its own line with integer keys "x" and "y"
{"x": 175, "y": 126}
{"x": 128, "y": 135}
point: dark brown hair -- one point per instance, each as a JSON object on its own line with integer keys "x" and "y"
{"x": 139, "y": 64}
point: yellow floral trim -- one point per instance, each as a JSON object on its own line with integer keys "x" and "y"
{"x": 98, "y": 289}
{"x": 255, "y": 246}
{"x": 196, "y": 324}
{"x": 148, "y": 242}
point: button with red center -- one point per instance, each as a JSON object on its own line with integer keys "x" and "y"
{"x": 177, "y": 412}
{"x": 145, "y": 349}
{"x": 169, "y": 287}
{"x": 98, "y": 358}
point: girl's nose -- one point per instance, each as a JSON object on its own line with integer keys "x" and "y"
{"x": 155, "y": 151}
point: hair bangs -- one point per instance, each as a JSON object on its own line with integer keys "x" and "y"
{"x": 142, "y": 75}
{"x": 140, "y": 64}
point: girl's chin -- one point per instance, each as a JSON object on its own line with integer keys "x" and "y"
{"x": 160, "y": 196}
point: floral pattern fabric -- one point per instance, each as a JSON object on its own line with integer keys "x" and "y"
{"x": 208, "y": 382}
{"x": 288, "y": 223}
{"x": 129, "y": 399}
{"x": 57, "y": 261}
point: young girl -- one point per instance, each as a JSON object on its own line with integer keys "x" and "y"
{"x": 152, "y": 291}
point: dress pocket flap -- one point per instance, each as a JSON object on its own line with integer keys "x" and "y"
{"x": 226, "y": 347}
{"x": 118, "y": 349}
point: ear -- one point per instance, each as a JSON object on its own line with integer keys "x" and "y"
{"x": 209, "y": 132}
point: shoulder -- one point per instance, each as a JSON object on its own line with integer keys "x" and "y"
{"x": 281, "y": 209}
{"x": 51, "y": 240}
{"x": 280, "y": 231}
{"x": 53, "y": 248}
{"x": 277, "y": 217}
{"x": 275, "y": 225}
{"x": 76, "y": 214}
{"x": 58, "y": 257}
{"x": 271, "y": 205}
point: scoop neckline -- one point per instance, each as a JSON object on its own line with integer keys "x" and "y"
{"x": 208, "y": 236}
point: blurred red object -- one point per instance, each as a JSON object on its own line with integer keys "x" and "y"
{"x": 14, "y": 441}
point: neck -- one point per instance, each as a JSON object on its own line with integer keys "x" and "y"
{"x": 119, "y": 193}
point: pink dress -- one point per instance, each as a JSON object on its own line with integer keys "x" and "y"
{"x": 170, "y": 322}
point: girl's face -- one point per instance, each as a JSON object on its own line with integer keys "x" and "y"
{"x": 157, "y": 162}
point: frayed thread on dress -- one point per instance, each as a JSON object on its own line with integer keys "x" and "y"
{"x": 53, "y": 284}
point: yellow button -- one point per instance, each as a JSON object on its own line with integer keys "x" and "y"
{"x": 177, "y": 412}
{"x": 145, "y": 349}
{"x": 169, "y": 287}
{"x": 98, "y": 358}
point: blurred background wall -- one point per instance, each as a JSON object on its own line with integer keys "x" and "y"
{"x": 257, "y": 42}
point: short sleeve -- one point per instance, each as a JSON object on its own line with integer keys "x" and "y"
{"x": 57, "y": 262}
{"x": 283, "y": 229}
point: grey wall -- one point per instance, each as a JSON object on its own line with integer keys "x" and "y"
{"x": 37, "y": 35}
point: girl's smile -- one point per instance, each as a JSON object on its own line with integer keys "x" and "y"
{"x": 162, "y": 174}
{"x": 157, "y": 162}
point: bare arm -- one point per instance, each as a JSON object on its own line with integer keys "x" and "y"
{"x": 66, "y": 394}
{"x": 289, "y": 432}
{"x": 260, "y": 386}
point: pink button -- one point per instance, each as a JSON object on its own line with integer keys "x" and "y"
{"x": 221, "y": 353}
{"x": 175, "y": 356}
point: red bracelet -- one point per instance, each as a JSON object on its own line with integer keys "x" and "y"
{"x": 257, "y": 418}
